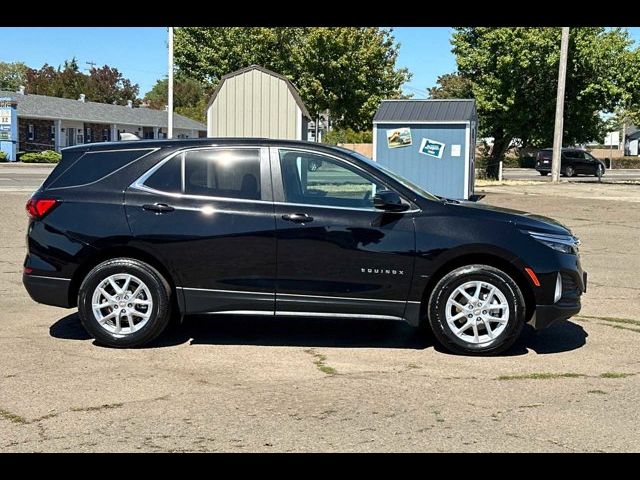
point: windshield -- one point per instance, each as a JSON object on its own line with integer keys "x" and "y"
{"x": 408, "y": 184}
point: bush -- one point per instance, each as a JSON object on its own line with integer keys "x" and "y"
{"x": 3, "y": 156}
{"x": 509, "y": 162}
{"x": 623, "y": 162}
{"x": 46, "y": 156}
{"x": 347, "y": 135}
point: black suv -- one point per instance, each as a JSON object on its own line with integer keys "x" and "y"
{"x": 573, "y": 162}
{"x": 134, "y": 233}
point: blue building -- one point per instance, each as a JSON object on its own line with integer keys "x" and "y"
{"x": 430, "y": 142}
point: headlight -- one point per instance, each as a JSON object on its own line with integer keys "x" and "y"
{"x": 561, "y": 243}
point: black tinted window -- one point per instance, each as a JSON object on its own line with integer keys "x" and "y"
{"x": 93, "y": 166}
{"x": 230, "y": 173}
{"x": 168, "y": 178}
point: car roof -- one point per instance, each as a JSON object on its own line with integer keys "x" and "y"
{"x": 199, "y": 142}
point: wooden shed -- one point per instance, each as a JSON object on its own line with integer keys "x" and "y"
{"x": 256, "y": 102}
{"x": 430, "y": 142}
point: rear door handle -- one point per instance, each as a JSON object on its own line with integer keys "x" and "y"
{"x": 158, "y": 207}
{"x": 297, "y": 218}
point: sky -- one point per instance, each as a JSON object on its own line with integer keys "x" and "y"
{"x": 140, "y": 53}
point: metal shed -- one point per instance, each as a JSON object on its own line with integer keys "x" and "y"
{"x": 430, "y": 142}
{"x": 256, "y": 102}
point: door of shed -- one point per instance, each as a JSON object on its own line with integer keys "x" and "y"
{"x": 450, "y": 176}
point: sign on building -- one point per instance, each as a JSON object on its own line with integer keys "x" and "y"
{"x": 8, "y": 127}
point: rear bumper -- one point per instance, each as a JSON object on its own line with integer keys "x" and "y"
{"x": 48, "y": 290}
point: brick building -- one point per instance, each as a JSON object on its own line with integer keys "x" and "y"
{"x": 52, "y": 123}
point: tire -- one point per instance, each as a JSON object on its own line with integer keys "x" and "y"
{"x": 151, "y": 315}
{"x": 465, "y": 343}
{"x": 599, "y": 170}
{"x": 569, "y": 171}
{"x": 544, "y": 174}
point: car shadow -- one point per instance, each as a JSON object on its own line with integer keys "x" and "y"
{"x": 311, "y": 332}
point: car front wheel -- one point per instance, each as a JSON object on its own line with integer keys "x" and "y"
{"x": 124, "y": 303}
{"x": 569, "y": 171}
{"x": 544, "y": 174}
{"x": 476, "y": 310}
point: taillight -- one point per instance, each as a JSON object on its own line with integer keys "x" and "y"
{"x": 39, "y": 207}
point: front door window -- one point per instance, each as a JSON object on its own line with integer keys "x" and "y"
{"x": 313, "y": 179}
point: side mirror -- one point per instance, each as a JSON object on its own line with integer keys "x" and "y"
{"x": 389, "y": 201}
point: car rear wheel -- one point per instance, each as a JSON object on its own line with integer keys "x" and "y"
{"x": 544, "y": 174}
{"x": 124, "y": 303}
{"x": 569, "y": 171}
{"x": 476, "y": 310}
{"x": 599, "y": 170}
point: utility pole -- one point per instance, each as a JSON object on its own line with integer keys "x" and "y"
{"x": 170, "y": 96}
{"x": 557, "y": 134}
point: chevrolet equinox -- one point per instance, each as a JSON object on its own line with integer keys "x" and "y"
{"x": 135, "y": 233}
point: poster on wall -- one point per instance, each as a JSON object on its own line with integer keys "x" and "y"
{"x": 399, "y": 137}
{"x": 431, "y": 148}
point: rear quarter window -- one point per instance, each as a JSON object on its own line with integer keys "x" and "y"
{"x": 94, "y": 166}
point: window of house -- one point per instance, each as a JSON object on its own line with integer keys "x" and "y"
{"x": 31, "y": 132}
{"x": 87, "y": 135}
{"x": 52, "y": 133}
{"x": 314, "y": 179}
{"x": 79, "y": 137}
{"x": 230, "y": 173}
{"x": 105, "y": 135}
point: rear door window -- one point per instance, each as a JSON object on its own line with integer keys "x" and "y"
{"x": 227, "y": 173}
{"x": 94, "y": 166}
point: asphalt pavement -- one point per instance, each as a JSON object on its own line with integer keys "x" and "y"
{"x": 532, "y": 175}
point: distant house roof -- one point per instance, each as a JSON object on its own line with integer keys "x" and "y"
{"x": 42, "y": 106}
{"x": 291, "y": 86}
{"x": 426, "y": 111}
{"x": 633, "y": 136}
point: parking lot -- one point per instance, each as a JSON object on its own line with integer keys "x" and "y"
{"x": 233, "y": 384}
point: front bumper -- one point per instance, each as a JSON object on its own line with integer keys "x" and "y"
{"x": 546, "y": 315}
{"x": 568, "y": 305}
{"x": 48, "y": 290}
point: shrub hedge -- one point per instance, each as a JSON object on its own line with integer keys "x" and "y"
{"x": 3, "y": 156}
{"x": 46, "y": 156}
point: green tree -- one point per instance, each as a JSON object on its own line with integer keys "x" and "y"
{"x": 190, "y": 97}
{"x": 347, "y": 135}
{"x": 345, "y": 70}
{"x": 12, "y": 75}
{"x": 514, "y": 75}
{"x": 452, "y": 85}
{"x": 103, "y": 85}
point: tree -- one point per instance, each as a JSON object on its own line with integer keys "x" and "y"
{"x": 107, "y": 85}
{"x": 345, "y": 70}
{"x": 104, "y": 85}
{"x": 12, "y": 75}
{"x": 190, "y": 97}
{"x": 452, "y": 85}
{"x": 514, "y": 75}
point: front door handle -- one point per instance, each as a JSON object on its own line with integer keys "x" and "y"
{"x": 158, "y": 207}
{"x": 297, "y": 218}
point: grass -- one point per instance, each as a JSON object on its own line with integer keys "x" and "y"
{"x": 540, "y": 376}
{"x": 12, "y": 417}
{"x": 106, "y": 406}
{"x": 319, "y": 362}
{"x": 616, "y": 375}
